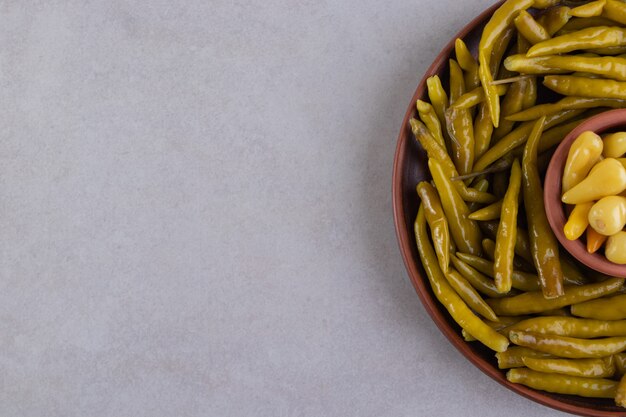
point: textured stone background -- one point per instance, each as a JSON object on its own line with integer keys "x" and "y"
{"x": 195, "y": 212}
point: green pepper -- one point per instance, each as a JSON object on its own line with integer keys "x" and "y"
{"x": 612, "y": 308}
{"x": 591, "y": 9}
{"x": 476, "y": 96}
{"x": 605, "y": 66}
{"x": 513, "y": 356}
{"x": 469, "y": 295}
{"x": 544, "y": 248}
{"x": 500, "y": 47}
{"x": 563, "y": 384}
{"x": 555, "y": 19}
{"x": 505, "y": 240}
{"x": 535, "y": 302}
{"x": 461, "y": 132}
{"x": 570, "y": 326}
{"x": 474, "y": 277}
{"x": 436, "y": 151}
{"x": 438, "y": 97}
{"x": 490, "y": 212}
{"x": 481, "y": 186}
{"x": 467, "y": 63}
{"x": 615, "y": 10}
{"x": 570, "y": 85}
{"x": 520, "y": 280}
{"x": 446, "y": 295}
{"x": 494, "y": 29}
{"x": 620, "y": 363}
{"x": 578, "y": 23}
{"x": 588, "y": 368}
{"x": 522, "y": 243}
{"x": 512, "y": 103}
{"x": 620, "y": 393}
{"x": 518, "y": 137}
{"x": 437, "y": 221}
{"x": 595, "y": 37}
{"x": 464, "y": 231}
{"x": 530, "y": 28}
{"x": 430, "y": 119}
{"x": 567, "y": 103}
{"x": 569, "y": 347}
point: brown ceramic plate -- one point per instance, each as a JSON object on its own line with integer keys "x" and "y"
{"x": 409, "y": 168}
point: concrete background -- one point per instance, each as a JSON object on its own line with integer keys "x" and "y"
{"x": 195, "y": 212}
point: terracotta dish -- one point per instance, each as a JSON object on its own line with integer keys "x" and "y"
{"x": 410, "y": 168}
{"x": 604, "y": 122}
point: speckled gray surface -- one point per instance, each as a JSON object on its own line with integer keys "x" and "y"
{"x": 195, "y": 212}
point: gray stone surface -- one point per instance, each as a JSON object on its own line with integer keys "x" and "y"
{"x": 195, "y": 212}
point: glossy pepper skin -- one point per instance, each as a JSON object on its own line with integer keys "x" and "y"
{"x": 567, "y": 103}
{"x": 522, "y": 243}
{"x": 465, "y": 232}
{"x": 429, "y": 118}
{"x": 461, "y": 132}
{"x": 469, "y": 295}
{"x": 584, "y": 153}
{"x": 594, "y": 240}
{"x": 544, "y": 248}
{"x": 570, "y": 85}
{"x": 612, "y": 308}
{"x": 588, "y": 368}
{"x": 513, "y": 102}
{"x": 459, "y": 123}
{"x": 616, "y": 248}
{"x": 530, "y": 28}
{"x": 594, "y": 37}
{"x": 577, "y": 221}
{"x": 513, "y": 356}
{"x": 518, "y": 137}
{"x": 476, "y": 96}
{"x": 615, "y": 10}
{"x": 620, "y": 393}
{"x": 437, "y": 222}
{"x": 607, "y": 178}
{"x": 479, "y": 281}
{"x": 467, "y": 63}
{"x": 555, "y": 19}
{"x": 563, "y": 384}
{"x": 438, "y": 97}
{"x": 446, "y": 295}
{"x": 436, "y": 151}
{"x": 535, "y": 302}
{"x": 605, "y": 66}
{"x": 608, "y": 215}
{"x": 524, "y": 281}
{"x": 591, "y": 9}
{"x": 569, "y": 347}
{"x": 490, "y": 212}
{"x": 500, "y": 21}
{"x": 505, "y": 240}
{"x": 614, "y": 145}
{"x": 570, "y": 326}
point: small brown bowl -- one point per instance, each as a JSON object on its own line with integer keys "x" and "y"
{"x": 604, "y": 122}
{"x": 410, "y": 167}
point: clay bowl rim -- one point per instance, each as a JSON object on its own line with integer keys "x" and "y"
{"x": 415, "y": 271}
{"x": 555, "y": 211}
